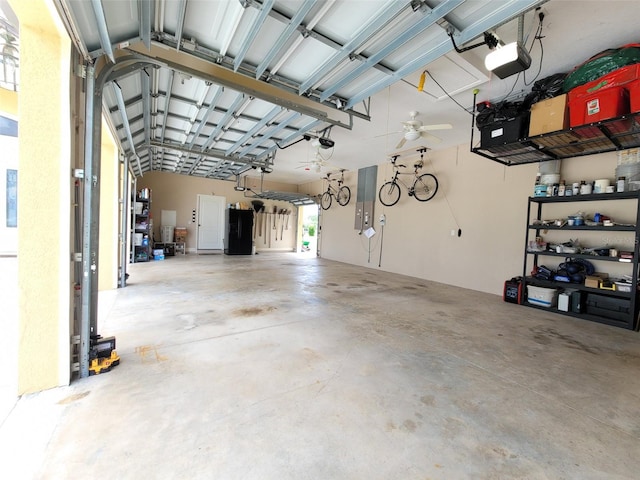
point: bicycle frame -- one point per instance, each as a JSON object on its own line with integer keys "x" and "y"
{"x": 342, "y": 193}
{"x": 396, "y": 177}
{"x": 423, "y": 188}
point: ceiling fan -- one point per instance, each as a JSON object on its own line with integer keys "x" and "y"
{"x": 414, "y": 129}
{"x": 320, "y": 159}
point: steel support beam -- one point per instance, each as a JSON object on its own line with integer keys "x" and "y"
{"x": 256, "y": 128}
{"x": 291, "y": 137}
{"x": 389, "y": 13}
{"x": 103, "y": 33}
{"x": 90, "y": 221}
{"x": 182, "y": 10}
{"x": 507, "y": 11}
{"x": 253, "y": 32}
{"x": 430, "y": 18}
{"x": 124, "y": 221}
{"x": 284, "y": 36}
{"x": 200, "y": 68}
{"x": 144, "y": 9}
{"x": 203, "y": 122}
{"x": 125, "y": 121}
{"x": 269, "y": 134}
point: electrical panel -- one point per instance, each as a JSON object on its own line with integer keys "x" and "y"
{"x": 366, "y": 198}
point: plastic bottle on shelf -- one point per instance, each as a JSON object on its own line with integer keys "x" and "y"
{"x": 561, "y": 188}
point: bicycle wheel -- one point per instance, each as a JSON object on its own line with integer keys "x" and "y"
{"x": 389, "y": 194}
{"x": 425, "y": 187}
{"x": 325, "y": 201}
{"x": 344, "y": 195}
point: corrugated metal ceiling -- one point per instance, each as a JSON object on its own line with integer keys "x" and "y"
{"x": 229, "y": 82}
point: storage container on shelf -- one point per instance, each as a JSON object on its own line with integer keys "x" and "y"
{"x": 628, "y": 156}
{"x": 631, "y": 174}
{"x": 541, "y": 296}
{"x": 601, "y": 105}
{"x": 167, "y": 234}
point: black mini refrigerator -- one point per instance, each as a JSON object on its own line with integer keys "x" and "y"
{"x": 239, "y": 229}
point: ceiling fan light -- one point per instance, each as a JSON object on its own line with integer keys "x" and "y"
{"x": 412, "y": 135}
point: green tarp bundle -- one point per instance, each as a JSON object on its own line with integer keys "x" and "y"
{"x": 601, "y": 64}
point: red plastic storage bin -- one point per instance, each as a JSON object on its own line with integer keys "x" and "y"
{"x": 601, "y": 105}
{"x": 634, "y": 95}
{"x": 617, "y": 78}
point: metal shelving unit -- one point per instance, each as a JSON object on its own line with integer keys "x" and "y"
{"x": 535, "y": 207}
{"x": 606, "y": 136}
{"x": 142, "y": 224}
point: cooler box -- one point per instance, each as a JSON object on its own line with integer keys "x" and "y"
{"x": 542, "y": 297}
{"x": 549, "y": 115}
{"x": 608, "y": 307}
{"x": 604, "y": 104}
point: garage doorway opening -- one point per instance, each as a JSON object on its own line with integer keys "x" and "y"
{"x": 309, "y": 221}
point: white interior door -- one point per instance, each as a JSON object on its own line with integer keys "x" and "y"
{"x": 210, "y": 222}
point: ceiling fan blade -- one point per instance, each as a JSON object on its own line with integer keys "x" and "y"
{"x": 401, "y": 142}
{"x": 439, "y": 126}
{"x": 431, "y": 138}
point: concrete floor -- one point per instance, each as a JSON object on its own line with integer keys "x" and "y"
{"x": 278, "y": 366}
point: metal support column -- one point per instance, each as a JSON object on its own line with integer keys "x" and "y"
{"x": 89, "y": 268}
{"x": 124, "y": 230}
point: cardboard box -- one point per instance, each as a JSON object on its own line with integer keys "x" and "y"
{"x": 595, "y": 280}
{"x": 180, "y": 234}
{"x": 549, "y": 115}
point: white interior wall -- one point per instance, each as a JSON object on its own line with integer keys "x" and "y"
{"x": 486, "y": 200}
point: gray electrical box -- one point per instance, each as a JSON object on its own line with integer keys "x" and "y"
{"x": 366, "y": 198}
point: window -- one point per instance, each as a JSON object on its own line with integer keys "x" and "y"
{"x": 12, "y": 198}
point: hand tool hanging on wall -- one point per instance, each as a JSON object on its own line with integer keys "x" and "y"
{"x": 284, "y": 216}
{"x": 258, "y": 205}
{"x": 275, "y": 212}
{"x": 259, "y": 222}
{"x": 265, "y": 220}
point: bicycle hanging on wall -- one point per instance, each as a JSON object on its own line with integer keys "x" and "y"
{"x": 423, "y": 189}
{"x": 342, "y": 193}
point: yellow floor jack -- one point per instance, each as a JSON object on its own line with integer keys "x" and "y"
{"x": 102, "y": 355}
